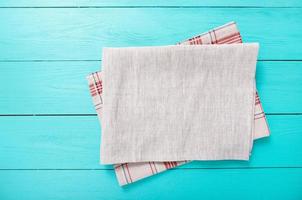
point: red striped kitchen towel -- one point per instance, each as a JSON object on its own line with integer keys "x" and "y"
{"x": 130, "y": 172}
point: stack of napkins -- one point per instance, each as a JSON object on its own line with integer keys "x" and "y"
{"x": 160, "y": 107}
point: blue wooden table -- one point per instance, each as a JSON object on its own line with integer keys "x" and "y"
{"x": 49, "y": 133}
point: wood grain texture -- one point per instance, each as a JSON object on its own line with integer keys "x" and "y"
{"x": 78, "y": 3}
{"x": 174, "y": 184}
{"x": 80, "y": 34}
{"x": 61, "y": 87}
{"x": 48, "y": 47}
{"x": 73, "y": 143}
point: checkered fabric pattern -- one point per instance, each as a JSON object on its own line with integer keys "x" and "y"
{"x": 130, "y": 172}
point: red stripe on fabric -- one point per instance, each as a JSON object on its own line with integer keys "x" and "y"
{"x": 236, "y": 34}
{"x": 99, "y": 84}
{"x": 229, "y": 40}
{"x": 151, "y": 168}
{"x": 212, "y": 42}
{"x": 128, "y": 172}
{"x": 117, "y": 166}
{"x": 197, "y": 40}
{"x": 125, "y": 176}
{"x": 155, "y": 167}
{"x": 263, "y": 111}
{"x": 208, "y": 33}
{"x": 217, "y": 29}
{"x": 215, "y": 36}
{"x": 233, "y": 35}
{"x": 233, "y": 41}
{"x": 166, "y": 165}
{"x": 99, "y": 92}
{"x": 237, "y": 39}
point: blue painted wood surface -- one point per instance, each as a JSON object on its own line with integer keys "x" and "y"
{"x": 50, "y": 136}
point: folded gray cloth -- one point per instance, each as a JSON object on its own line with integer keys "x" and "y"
{"x": 178, "y": 103}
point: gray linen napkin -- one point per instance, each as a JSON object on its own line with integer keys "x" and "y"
{"x": 178, "y": 103}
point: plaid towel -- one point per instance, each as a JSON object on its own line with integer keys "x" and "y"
{"x": 130, "y": 172}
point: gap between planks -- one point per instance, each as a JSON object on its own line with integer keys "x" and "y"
{"x": 98, "y": 60}
{"x": 150, "y": 7}
{"x": 89, "y": 115}
{"x": 193, "y": 168}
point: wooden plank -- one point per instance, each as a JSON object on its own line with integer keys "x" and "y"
{"x": 80, "y": 34}
{"x": 46, "y": 87}
{"x": 149, "y": 3}
{"x": 174, "y": 184}
{"x": 73, "y": 143}
{"x": 61, "y": 87}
